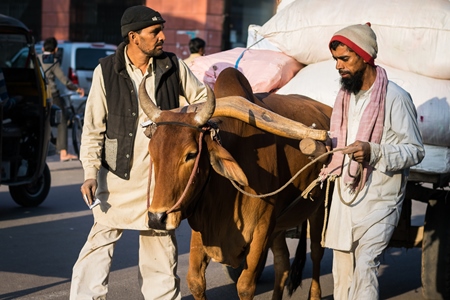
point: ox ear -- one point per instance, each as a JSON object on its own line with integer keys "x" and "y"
{"x": 224, "y": 164}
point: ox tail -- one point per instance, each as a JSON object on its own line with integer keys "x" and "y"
{"x": 296, "y": 272}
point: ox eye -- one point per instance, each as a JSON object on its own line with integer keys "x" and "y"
{"x": 190, "y": 156}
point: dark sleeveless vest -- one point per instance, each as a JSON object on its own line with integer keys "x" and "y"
{"x": 123, "y": 110}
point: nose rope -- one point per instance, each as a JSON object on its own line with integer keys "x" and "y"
{"x": 149, "y": 182}
{"x": 191, "y": 178}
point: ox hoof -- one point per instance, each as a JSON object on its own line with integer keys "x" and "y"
{"x": 157, "y": 221}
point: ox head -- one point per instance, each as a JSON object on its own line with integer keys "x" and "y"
{"x": 181, "y": 164}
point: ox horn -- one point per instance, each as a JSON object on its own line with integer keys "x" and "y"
{"x": 204, "y": 113}
{"x": 147, "y": 105}
{"x": 207, "y": 108}
{"x": 240, "y": 108}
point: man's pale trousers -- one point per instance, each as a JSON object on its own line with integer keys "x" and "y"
{"x": 157, "y": 265}
{"x": 355, "y": 272}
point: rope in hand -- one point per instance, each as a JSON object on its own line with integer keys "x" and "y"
{"x": 309, "y": 188}
{"x": 360, "y": 171}
{"x": 305, "y": 192}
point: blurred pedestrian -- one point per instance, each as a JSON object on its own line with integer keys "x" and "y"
{"x": 197, "y": 49}
{"x": 53, "y": 72}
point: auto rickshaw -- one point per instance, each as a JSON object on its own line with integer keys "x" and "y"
{"x": 25, "y": 128}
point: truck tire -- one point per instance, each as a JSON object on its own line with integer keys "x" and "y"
{"x": 32, "y": 194}
{"x": 436, "y": 250}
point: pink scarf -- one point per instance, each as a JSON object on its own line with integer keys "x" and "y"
{"x": 370, "y": 130}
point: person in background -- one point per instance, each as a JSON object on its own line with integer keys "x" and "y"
{"x": 375, "y": 122}
{"x": 54, "y": 72}
{"x": 115, "y": 158}
{"x": 197, "y": 49}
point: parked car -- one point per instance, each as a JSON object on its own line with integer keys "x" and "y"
{"x": 25, "y": 126}
{"x": 78, "y": 61}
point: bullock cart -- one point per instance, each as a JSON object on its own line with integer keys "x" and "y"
{"x": 433, "y": 236}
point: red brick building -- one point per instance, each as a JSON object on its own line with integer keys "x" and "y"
{"x": 223, "y": 24}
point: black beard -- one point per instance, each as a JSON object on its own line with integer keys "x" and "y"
{"x": 354, "y": 83}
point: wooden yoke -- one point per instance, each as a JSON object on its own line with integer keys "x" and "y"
{"x": 240, "y": 108}
{"x": 259, "y": 117}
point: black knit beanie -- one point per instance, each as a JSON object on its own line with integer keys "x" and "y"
{"x": 137, "y": 17}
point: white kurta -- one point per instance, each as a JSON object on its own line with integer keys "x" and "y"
{"x": 381, "y": 198}
{"x": 124, "y": 202}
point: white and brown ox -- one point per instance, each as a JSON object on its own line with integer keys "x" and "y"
{"x": 193, "y": 171}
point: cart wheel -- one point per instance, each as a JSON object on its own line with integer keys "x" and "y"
{"x": 436, "y": 251}
{"x": 32, "y": 194}
{"x": 77, "y": 129}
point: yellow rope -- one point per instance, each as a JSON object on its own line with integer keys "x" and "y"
{"x": 309, "y": 188}
{"x": 325, "y": 217}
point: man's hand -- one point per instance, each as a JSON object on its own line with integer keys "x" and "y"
{"x": 88, "y": 189}
{"x": 360, "y": 151}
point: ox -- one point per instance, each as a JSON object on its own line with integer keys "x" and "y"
{"x": 192, "y": 174}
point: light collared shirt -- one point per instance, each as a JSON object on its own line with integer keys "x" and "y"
{"x": 382, "y": 196}
{"x": 124, "y": 202}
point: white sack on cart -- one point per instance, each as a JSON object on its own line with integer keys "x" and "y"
{"x": 257, "y": 41}
{"x": 283, "y": 4}
{"x": 413, "y": 35}
{"x": 321, "y": 81}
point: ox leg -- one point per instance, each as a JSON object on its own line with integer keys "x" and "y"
{"x": 198, "y": 261}
{"x": 317, "y": 251}
{"x": 281, "y": 264}
{"x": 246, "y": 284}
{"x": 298, "y": 264}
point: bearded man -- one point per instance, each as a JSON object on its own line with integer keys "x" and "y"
{"x": 375, "y": 121}
{"x": 116, "y": 162}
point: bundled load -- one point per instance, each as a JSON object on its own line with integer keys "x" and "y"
{"x": 412, "y": 35}
{"x": 413, "y": 40}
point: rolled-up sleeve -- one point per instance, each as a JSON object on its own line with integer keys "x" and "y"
{"x": 94, "y": 127}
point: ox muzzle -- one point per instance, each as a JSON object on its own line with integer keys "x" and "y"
{"x": 157, "y": 220}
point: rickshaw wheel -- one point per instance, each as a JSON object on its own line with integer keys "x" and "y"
{"x": 32, "y": 194}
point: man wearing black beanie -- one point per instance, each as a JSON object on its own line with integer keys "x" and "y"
{"x": 115, "y": 158}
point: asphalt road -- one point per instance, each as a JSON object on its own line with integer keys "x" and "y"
{"x": 39, "y": 246}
